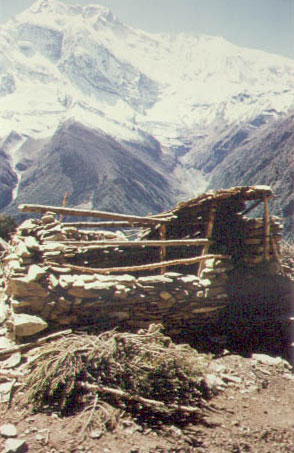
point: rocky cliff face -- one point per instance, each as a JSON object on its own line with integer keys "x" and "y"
{"x": 97, "y": 172}
{"x": 265, "y": 156}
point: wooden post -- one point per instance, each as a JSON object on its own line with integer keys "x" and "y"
{"x": 209, "y": 230}
{"x": 162, "y": 235}
{"x": 267, "y": 230}
{"x": 64, "y": 201}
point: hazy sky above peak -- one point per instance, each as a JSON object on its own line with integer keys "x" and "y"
{"x": 263, "y": 24}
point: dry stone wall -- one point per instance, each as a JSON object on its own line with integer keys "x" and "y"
{"x": 42, "y": 290}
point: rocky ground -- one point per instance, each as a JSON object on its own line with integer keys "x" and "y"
{"x": 252, "y": 410}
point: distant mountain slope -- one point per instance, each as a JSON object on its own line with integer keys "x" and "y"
{"x": 125, "y": 120}
{"x": 98, "y": 173}
{"x": 265, "y": 157}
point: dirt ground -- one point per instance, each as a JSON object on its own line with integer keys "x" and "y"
{"x": 252, "y": 410}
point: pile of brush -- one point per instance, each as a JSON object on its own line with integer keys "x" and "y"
{"x": 145, "y": 374}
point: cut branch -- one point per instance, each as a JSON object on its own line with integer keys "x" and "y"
{"x": 145, "y": 401}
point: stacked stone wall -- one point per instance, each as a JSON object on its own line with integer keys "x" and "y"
{"x": 39, "y": 282}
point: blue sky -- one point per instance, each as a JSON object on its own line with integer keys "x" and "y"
{"x": 261, "y": 24}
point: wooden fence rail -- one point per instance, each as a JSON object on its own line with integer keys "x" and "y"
{"x": 143, "y": 267}
{"x": 97, "y": 214}
{"x": 150, "y": 243}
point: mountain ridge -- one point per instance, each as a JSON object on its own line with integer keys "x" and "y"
{"x": 182, "y": 102}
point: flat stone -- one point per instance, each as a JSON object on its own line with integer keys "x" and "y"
{"x": 53, "y": 247}
{"x": 16, "y": 446}
{"x": 214, "y": 383}
{"x": 31, "y": 243}
{"x": 49, "y": 217}
{"x": 8, "y": 430}
{"x": 26, "y": 325}
{"x": 53, "y": 281}
{"x": 267, "y": 360}
{"x": 66, "y": 281}
{"x": 189, "y": 278}
{"x": 172, "y": 274}
{"x": 5, "y": 343}
{"x": 165, "y": 295}
{"x": 29, "y": 224}
{"x": 35, "y": 273}
{"x": 3, "y": 309}
{"x": 230, "y": 378}
{"x": 12, "y": 361}
{"x": 205, "y": 282}
{"x": 55, "y": 237}
{"x": 22, "y": 250}
{"x": 21, "y": 287}
{"x": 154, "y": 280}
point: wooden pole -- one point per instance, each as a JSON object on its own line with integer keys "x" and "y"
{"x": 267, "y": 226}
{"x": 151, "y": 243}
{"x": 162, "y": 235}
{"x": 103, "y": 224}
{"x": 64, "y": 201}
{"x": 88, "y": 213}
{"x": 144, "y": 267}
{"x": 209, "y": 230}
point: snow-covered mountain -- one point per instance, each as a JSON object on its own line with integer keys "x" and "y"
{"x": 60, "y": 62}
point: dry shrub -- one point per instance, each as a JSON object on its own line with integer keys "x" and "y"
{"x": 68, "y": 374}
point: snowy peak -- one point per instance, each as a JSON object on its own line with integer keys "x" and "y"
{"x": 55, "y": 9}
{"x": 61, "y": 61}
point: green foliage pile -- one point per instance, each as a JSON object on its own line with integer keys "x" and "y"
{"x": 132, "y": 372}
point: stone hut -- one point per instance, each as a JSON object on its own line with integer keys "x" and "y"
{"x": 177, "y": 271}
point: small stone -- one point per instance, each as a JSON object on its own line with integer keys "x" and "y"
{"x": 15, "y": 446}
{"x": 26, "y": 325}
{"x": 96, "y": 434}
{"x": 214, "y": 383}
{"x": 230, "y": 378}
{"x": 8, "y": 430}
{"x": 39, "y": 437}
{"x": 165, "y": 295}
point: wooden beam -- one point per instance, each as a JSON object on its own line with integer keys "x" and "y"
{"x": 104, "y": 224}
{"x": 88, "y": 213}
{"x": 267, "y": 230}
{"x": 151, "y": 243}
{"x": 162, "y": 235}
{"x": 209, "y": 230}
{"x": 144, "y": 267}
